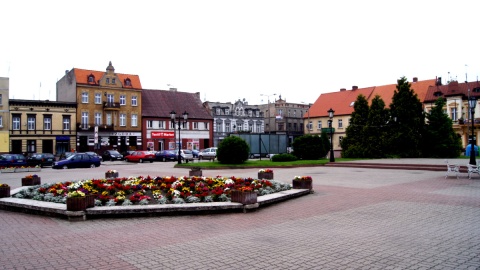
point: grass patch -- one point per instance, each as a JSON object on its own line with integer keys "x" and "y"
{"x": 264, "y": 163}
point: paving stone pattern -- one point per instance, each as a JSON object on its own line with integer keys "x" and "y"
{"x": 354, "y": 220}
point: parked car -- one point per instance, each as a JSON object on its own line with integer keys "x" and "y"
{"x": 41, "y": 159}
{"x": 141, "y": 156}
{"x": 95, "y": 155}
{"x": 127, "y": 153}
{"x": 12, "y": 160}
{"x": 112, "y": 155}
{"x": 208, "y": 153}
{"x": 165, "y": 155}
{"x": 186, "y": 155}
{"x": 78, "y": 160}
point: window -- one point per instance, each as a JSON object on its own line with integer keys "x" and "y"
{"x": 1, "y": 121}
{"x": 84, "y": 97}
{"x": 128, "y": 82}
{"x": 195, "y": 125}
{"x": 108, "y": 80}
{"x": 91, "y": 79}
{"x": 16, "y": 122}
{"x": 319, "y": 125}
{"x": 1, "y": 103}
{"x": 227, "y": 111}
{"x": 454, "y": 114}
{"x": 250, "y": 113}
{"x": 98, "y": 119}
{"x": 161, "y": 124}
{"x": 98, "y": 98}
{"x": 294, "y": 113}
{"x": 47, "y": 122}
{"x": 123, "y": 100}
{"x": 217, "y": 111}
{"x": 31, "y": 146}
{"x": 227, "y": 127}
{"x": 84, "y": 119}
{"x": 110, "y": 98}
{"x": 113, "y": 80}
{"x": 109, "y": 119}
{"x": 219, "y": 127}
{"x": 149, "y": 124}
{"x": 257, "y": 114}
{"x": 134, "y": 120}
{"x": 310, "y": 125}
{"x": 31, "y": 122}
{"x": 66, "y": 122}
{"x": 340, "y": 123}
{"x": 134, "y": 100}
{"x": 123, "y": 119}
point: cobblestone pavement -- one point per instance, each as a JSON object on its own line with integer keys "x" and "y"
{"x": 356, "y": 219}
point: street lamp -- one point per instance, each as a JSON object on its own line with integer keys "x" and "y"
{"x": 179, "y": 122}
{"x": 330, "y": 115}
{"x": 472, "y": 102}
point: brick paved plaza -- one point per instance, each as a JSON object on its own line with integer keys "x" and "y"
{"x": 356, "y": 219}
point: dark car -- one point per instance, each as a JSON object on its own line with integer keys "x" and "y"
{"x": 12, "y": 160}
{"x": 78, "y": 160}
{"x": 112, "y": 155}
{"x": 141, "y": 156}
{"x": 165, "y": 155}
{"x": 41, "y": 159}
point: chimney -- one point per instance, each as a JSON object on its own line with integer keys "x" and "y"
{"x": 354, "y": 87}
{"x": 439, "y": 81}
{"x": 342, "y": 89}
{"x": 173, "y": 89}
{"x": 415, "y": 79}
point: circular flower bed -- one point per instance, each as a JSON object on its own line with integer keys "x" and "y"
{"x": 147, "y": 190}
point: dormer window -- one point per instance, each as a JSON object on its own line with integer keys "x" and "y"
{"x": 113, "y": 80}
{"x": 476, "y": 90}
{"x": 128, "y": 82}
{"x": 91, "y": 78}
{"x": 438, "y": 94}
{"x": 107, "y": 80}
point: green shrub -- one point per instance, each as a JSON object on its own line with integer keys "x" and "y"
{"x": 283, "y": 157}
{"x": 233, "y": 150}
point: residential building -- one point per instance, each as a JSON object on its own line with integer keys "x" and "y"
{"x": 109, "y": 108}
{"x": 41, "y": 126}
{"x": 282, "y": 117}
{"x": 159, "y": 132}
{"x": 4, "y": 115}
{"x": 238, "y": 117}
{"x": 342, "y": 103}
{"x": 456, "y": 96}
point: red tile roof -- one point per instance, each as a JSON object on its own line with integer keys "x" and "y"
{"x": 342, "y": 102}
{"x": 81, "y": 76}
{"x": 159, "y": 103}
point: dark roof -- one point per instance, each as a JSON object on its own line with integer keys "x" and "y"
{"x": 453, "y": 89}
{"x": 159, "y": 103}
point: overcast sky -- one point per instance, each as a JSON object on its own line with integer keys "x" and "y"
{"x": 230, "y": 50}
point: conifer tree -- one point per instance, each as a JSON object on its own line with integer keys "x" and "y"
{"x": 440, "y": 140}
{"x": 408, "y": 126}
{"x": 353, "y": 145}
{"x": 376, "y": 129}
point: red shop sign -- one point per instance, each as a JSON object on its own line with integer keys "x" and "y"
{"x": 162, "y": 134}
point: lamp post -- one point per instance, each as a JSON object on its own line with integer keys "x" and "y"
{"x": 472, "y": 102}
{"x": 179, "y": 122}
{"x": 330, "y": 124}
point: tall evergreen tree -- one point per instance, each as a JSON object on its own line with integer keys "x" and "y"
{"x": 407, "y": 129}
{"x": 440, "y": 140}
{"x": 375, "y": 131}
{"x": 353, "y": 143}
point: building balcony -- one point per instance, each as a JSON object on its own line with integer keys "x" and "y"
{"x": 111, "y": 106}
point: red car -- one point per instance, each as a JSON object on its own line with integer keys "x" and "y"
{"x": 141, "y": 156}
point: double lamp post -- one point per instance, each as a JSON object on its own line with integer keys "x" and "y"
{"x": 472, "y": 102}
{"x": 330, "y": 122}
{"x": 179, "y": 122}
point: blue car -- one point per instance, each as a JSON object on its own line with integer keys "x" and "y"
{"x": 78, "y": 160}
{"x": 12, "y": 160}
{"x": 165, "y": 155}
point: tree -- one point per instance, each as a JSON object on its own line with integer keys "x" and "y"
{"x": 233, "y": 150}
{"x": 308, "y": 147}
{"x": 376, "y": 129}
{"x": 353, "y": 143}
{"x": 405, "y": 134}
{"x": 440, "y": 140}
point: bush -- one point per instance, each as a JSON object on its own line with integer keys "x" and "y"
{"x": 283, "y": 157}
{"x": 233, "y": 150}
{"x": 309, "y": 147}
